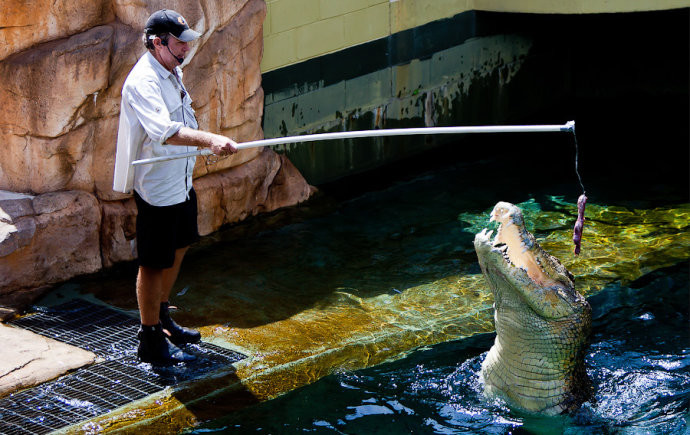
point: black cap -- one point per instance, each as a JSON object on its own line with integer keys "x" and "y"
{"x": 168, "y": 21}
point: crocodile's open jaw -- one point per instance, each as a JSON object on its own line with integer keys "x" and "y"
{"x": 513, "y": 261}
{"x": 516, "y": 247}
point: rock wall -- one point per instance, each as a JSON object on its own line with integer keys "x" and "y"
{"x": 62, "y": 66}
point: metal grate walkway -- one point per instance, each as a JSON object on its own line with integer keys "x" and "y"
{"x": 96, "y": 328}
{"x": 100, "y": 388}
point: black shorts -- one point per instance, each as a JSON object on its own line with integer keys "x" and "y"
{"x": 163, "y": 230}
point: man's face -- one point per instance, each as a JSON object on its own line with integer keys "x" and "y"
{"x": 168, "y": 55}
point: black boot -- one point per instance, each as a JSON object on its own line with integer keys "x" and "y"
{"x": 178, "y": 334}
{"x": 156, "y": 349}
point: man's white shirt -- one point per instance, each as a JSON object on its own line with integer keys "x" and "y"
{"x": 152, "y": 110}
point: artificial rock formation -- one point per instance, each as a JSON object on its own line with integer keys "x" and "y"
{"x": 35, "y": 359}
{"x": 62, "y": 66}
{"x": 45, "y": 239}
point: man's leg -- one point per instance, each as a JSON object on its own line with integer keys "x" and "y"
{"x": 157, "y": 237}
{"x": 170, "y": 275}
{"x": 149, "y": 285}
{"x": 178, "y": 335}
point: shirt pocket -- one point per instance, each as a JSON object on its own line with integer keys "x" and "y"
{"x": 189, "y": 114}
{"x": 173, "y": 102}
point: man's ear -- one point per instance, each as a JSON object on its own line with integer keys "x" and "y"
{"x": 160, "y": 41}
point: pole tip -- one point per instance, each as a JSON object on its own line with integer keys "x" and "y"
{"x": 570, "y": 126}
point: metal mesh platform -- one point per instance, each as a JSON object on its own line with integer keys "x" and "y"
{"x": 96, "y": 328}
{"x": 100, "y": 388}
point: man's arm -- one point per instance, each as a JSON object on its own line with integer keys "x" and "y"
{"x": 219, "y": 145}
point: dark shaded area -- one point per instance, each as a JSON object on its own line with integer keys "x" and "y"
{"x": 622, "y": 77}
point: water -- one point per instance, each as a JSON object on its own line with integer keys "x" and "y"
{"x": 633, "y": 269}
{"x": 638, "y": 360}
{"x": 399, "y": 242}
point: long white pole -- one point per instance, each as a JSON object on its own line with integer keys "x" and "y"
{"x": 567, "y": 127}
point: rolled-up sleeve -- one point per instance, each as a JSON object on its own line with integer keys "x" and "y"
{"x": 147, "y": 102}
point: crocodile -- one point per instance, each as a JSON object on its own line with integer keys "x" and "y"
{"x": 536, "y": 363}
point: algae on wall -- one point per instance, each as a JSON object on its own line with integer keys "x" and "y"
{"x": 461, "y": 85}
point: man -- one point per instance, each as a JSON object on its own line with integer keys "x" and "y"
{"x": 157, "y": 119}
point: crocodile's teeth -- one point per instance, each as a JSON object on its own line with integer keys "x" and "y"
{"x": 502, "y": 247}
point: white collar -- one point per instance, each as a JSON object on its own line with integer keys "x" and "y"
{"x": 160, "y": 69}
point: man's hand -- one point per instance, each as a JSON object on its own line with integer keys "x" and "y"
{"x": 222, "y": 146}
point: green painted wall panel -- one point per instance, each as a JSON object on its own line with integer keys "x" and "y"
{"x": 292, "y": 14}
{"x": 333, "y": 8}
{"x": 367, "y": 24}
{"x": 320, "y": 37}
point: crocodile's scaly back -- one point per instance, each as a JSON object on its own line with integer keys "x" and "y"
{"x": 542, "y": 322}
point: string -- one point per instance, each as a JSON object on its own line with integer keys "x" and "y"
{"x": 212, "y": 159}
{"x": 577, "y": 159}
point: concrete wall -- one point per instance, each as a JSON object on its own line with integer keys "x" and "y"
{"x": 473, "y": 68}
{"x": 437, "y": 88}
